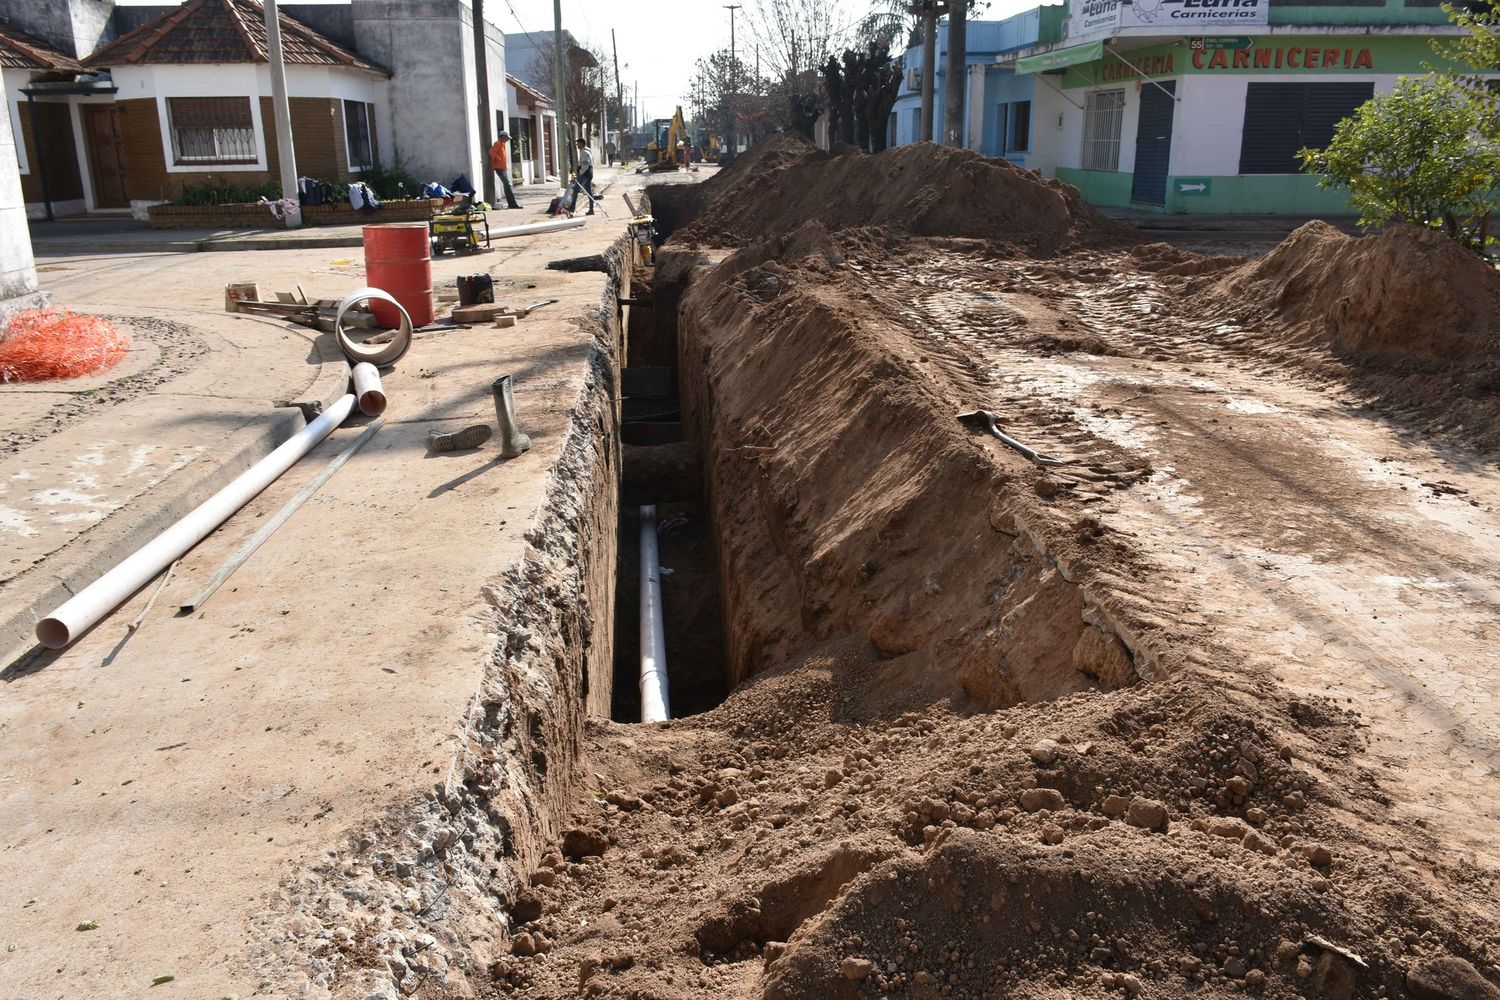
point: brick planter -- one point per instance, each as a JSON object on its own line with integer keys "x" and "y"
{"x": 253, "y": 216}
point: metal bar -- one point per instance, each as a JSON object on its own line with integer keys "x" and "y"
{"x": 283, "y": 515}
{"x": 1142, "y": 74}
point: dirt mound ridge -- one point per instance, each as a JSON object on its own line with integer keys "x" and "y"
{"x": 925, "y": 189}
{"x": 1407, "y": 292}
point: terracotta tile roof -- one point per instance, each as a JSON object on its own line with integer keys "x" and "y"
{"x": 537, "y": 97}
{"x": 19, "y": 50}
{"x": 222, "y": 31}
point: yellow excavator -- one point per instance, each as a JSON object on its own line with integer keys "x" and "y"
{"x": 668, "y": 146}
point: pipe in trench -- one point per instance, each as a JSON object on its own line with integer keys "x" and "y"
{"x": 367, "y": 389}
{"x": 654, "y": 704}
{"x": 99, "y": 598}
{"x": 535, "y": 227}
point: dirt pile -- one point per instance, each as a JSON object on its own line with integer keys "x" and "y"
{"x": 1185, "y": 839}
{"x": 873, "y": 510}
{"x": 1406, "y": 293}
{"x": 923, "y": 189}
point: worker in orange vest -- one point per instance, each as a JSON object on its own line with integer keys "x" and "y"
{"x": 500, "y": 160}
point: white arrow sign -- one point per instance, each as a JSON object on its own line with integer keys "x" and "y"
{"x": 1184, "y": 188}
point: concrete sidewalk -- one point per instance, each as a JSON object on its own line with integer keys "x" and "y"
{"x": 125, "y": 235}
{"x": 225, "y": 756}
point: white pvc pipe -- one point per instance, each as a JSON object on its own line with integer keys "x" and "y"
{"x": 654, "y": 704}
{"x": 536, "y": 227}
{"x": 105, "y": 594}
{"x": 367, "y": 389}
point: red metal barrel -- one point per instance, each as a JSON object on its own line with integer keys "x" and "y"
{"x": 398, "y": 260}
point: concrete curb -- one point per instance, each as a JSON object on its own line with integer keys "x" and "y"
{"x": 278, "y": 243}
{"x": 87, "y": 558}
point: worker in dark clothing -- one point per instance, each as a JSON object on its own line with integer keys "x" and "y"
{"x": 500, "y": 161}
{"x": 586, "y": 172}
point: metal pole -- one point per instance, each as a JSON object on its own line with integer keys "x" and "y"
{"x": 482, "y": 84}
{"x": 619, "y": 91}
{"x": 41, "y": 154}
{"x": 733, "y": 78}
{"x": 559, "y": 76}
{"x": 285, "y": 153}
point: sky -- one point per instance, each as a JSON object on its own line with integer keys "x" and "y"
{"x": 659, "y": 40}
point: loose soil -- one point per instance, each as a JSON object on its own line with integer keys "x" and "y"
{"x": 1207, "y": 710}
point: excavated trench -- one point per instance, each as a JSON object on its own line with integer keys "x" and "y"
{"x": 810, "y": 490}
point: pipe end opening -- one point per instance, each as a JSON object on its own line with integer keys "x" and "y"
{"x": 52, "y": 633}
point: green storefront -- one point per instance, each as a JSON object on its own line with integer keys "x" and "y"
{"x": 1211, "y": 123}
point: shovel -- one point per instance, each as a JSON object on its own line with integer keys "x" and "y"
{"x": 988, "y": 420}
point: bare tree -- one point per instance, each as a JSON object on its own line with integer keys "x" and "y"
{"x": 583, "y": 80}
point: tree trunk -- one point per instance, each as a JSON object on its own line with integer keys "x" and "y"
{"x": 929, "y": 67}
{"x": 957, "y": 82}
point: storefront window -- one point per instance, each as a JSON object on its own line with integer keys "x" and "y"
{"x": 1103, "y": 113}
{"x": 1281, "y": 118}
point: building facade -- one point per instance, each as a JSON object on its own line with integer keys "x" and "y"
{"x": 1194, "y": 106}
{"x": 997, "y": 99}
{"x": 127, "y": 105}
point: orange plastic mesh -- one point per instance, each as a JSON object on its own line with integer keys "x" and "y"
{"x": 52, "y": 343}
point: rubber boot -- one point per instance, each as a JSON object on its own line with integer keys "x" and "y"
{"x": 512, "y": 441}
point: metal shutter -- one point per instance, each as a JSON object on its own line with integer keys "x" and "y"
{"x": 1281, "y": 118}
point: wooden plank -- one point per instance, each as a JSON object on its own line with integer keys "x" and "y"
{"x": 480, "y": 312}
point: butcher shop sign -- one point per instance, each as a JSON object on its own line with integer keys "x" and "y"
{"x": 1165, "y": 16}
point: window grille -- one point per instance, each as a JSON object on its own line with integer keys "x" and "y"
{"x": 1103, "y": 115}
{"x": 211, "y": 130}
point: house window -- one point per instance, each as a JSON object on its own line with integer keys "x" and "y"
{"x": 1103, "y": 113}
{"x": 211, "y": 130}
{"x": 359, "y": 134}
{"x": 1281, "y": 118}
{"x": 1020, "y": 127}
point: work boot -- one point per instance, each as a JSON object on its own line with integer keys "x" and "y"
{"x": 512, "y": 441}
{"x": 469, "y": 437}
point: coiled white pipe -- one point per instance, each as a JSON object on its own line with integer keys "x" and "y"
{"x": 535, "y": 227}
{"x": 367, "y": 389}
{"x": 105, "y": 594}
{"x": 654, "y": 704}
{"x": 386, "y": 353}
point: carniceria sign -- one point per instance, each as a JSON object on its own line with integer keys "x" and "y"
{"x": 1089, "y": 16}
{"x": 1180, "y": 14}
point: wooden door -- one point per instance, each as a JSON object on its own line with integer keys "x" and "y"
{"x": 106, "y": 156}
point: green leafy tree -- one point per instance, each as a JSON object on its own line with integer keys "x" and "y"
{"x": 1420, "y": 153}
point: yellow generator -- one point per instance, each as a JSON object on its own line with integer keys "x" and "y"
{"x": 461, "y": 228}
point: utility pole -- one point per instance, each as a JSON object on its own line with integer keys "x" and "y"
{"x": 482, "y": 83}
{"x": 733, "y": 76}
{"x": 559, "y": 75}
{"x": 285, "y": 154}
{"x": 619, "y": 91}
{"x": 958, "y": 74}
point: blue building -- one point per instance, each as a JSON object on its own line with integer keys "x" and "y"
{"x": 1000, "y": 102}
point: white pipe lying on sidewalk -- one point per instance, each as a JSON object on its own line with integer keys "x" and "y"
{"x": 535, "y": 227}
{"x": 105, "y": 594}
{"x": 654, "y": 704}
{"x": 367, "y": 389}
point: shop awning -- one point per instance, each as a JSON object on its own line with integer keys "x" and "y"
{"x": 1060, "y": 58}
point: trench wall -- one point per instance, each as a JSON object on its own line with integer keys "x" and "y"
{"x": 422, "y": 899}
